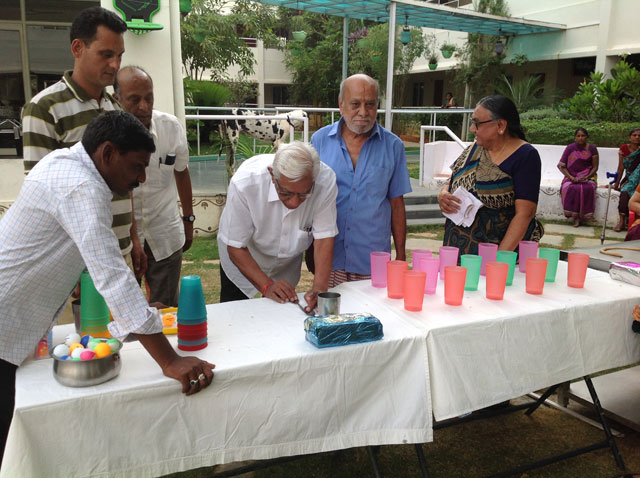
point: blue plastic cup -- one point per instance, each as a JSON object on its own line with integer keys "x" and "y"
{"x": 191, "y": 305}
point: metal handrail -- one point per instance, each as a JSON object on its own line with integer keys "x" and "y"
{"x": 424, "y": 128}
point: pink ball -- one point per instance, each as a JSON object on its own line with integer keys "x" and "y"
{"x": 87, "y": 355}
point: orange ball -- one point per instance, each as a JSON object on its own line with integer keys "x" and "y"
{"x": 74, "y": 346}
{"x": 102, "y": 350}
{"x": 168, "y": 320}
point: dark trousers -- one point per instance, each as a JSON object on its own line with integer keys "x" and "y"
{"x": 623, "y": 203}
{"x": 7, "y": 401}
{"x": 228, "y": 290}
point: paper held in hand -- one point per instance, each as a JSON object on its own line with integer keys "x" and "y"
{"x": 468, "y": 208}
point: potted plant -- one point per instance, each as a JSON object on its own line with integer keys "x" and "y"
{"x": 433, "y": 60}
{"x": 447, "y": 49}
{"x": 297, "y": 27}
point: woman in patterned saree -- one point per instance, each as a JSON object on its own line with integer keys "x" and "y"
{"x": 502, "y": 170}
{"x": 579, "y": 164}
{"x": 628, "y": 162}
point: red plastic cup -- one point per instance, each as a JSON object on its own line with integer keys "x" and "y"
{"x": 448, "y": 257}
{"x": 414, "y": 289}
{"x": 497, "y": 273}
{"x": 379, "y": 261}
{"x": 487, "y": 251}
{"x": 454, "y": 278}
{"x": 577, "y": 271}
{"x": 536, "y": 273}
{"x": 526, "y": 249}
{"x": 395, "y": 278}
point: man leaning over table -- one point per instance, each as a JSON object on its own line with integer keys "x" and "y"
{"x": 371, "y": 171}
{"x": 276, "y": 206}
{"x": 61, "y": 223}
{"x": 164, "y": 233}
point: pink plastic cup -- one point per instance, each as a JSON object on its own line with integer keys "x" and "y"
{"x": 454, "y": 278}
{"x": 417, "y": 254}
{"x": 525, "y": 250}
{"x": 578, "y": 263}
{"x": 448, "y": 257}
{"x": 488, "y": 251}
{"x": 414, "y": 289}
{"x": 430, "y": 265}
{"x": 497, "y": 273}
{"x": 379, "y": 261}
{"x": 395, "y": 278}
{"x": 536, "y": 273}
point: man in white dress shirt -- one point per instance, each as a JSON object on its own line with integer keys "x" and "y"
{"x": 164, "y": 233}
{"x": 61, "y": 223}
{"x": 276, "y": 206}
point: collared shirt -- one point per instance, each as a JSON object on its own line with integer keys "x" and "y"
{"x": 156, "y": 200}
{"x": 59, "y": 224}
{"x": 56, "y": 118}
{"x": 364, "y": 211}
{"x": 255, "y": 218}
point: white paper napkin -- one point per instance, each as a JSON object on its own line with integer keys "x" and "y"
{"x": 468, "y": 208}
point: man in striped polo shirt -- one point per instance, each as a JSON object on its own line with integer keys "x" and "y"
{"x": 58, "y": 115}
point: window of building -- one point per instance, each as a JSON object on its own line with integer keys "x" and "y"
{"x": 418, "y": 94}
{"x": 10, "y": 9}
{"x": 55, "y": 10}
{"x": 49, "y": 54}
{"x": 280, "y": 95}
{"x": 11, "y": 82}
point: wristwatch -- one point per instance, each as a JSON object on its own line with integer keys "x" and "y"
{"x": 190, "y": 218}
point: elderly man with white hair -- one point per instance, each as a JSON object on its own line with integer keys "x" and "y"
{"x": 276, "y": 206}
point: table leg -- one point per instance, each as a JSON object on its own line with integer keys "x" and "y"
{"x": 422, "y": 460}
{"x": 374, "y": 461}
{"x": 563, "y": 394}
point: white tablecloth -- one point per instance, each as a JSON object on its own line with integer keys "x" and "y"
{"x": 273, "y": 394}
{"x": 484, "y": 352}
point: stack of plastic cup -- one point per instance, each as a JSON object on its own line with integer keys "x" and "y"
{"x": 192, "y": 315}
{"x": 94, "y": 313}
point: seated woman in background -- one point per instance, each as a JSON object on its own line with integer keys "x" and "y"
{"x": 628, "y": 161}
{"x": 502, "y": 170}
{"x": 579, "y": 164}
{"x": 634, "y": 205}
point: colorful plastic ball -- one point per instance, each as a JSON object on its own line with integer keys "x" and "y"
{"x": 85, "y": 340}
{"x": 113, "y": 344}
{"x": 60, "y": 350}
{"x": 64, "y": 357}
{"x": 75, "y": 353}
{"x": 168, "y": 320}
{"x": 92, "y": 344}
{"x": 87, "y": 354}
{"x": 72, "y": 338}
{"x": 74, "y": 346}
{"x": 76, "y": 359}
{"x": 102, "y": 350}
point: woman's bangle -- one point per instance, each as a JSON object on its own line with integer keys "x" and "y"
{"x": 263, "y": 291}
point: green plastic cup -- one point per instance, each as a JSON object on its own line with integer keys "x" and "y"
{"x": 508, "y": 257}
{"x": 94, "y": 313}
{"x": 551, "y": 255}
{"x": 473, "y": 264}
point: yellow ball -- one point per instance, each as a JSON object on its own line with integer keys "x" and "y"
{"x": 102, "y": 350}
{"x": 168, "y": 320}
{"x": 74, "y": 346}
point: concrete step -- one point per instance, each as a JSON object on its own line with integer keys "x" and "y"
{"x": 425, "y": 221}
{"x": 411, "y": 199}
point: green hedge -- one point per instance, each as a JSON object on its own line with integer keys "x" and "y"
{"x": 561, "y": 131}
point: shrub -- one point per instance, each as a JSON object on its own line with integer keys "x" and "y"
{"x": 561, "y": 131}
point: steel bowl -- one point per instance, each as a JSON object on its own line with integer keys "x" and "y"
{"x": 85, "y": 373}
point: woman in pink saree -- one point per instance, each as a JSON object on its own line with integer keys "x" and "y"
{"x": 579, "y": 164}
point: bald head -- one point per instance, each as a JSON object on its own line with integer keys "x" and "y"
{"x": 357, "y": 78}
{"x": 134, "y": 90}
{"x": 358, "y": 101}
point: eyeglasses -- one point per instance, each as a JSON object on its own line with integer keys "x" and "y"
{"x": 284, "y": 194}
{"x": 476, "y": 123}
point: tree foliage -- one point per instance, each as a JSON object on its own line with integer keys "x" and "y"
{"x": 614, "y": 99}
{"x": 211, "y": 40}
{"x": 316, "y": 62}
{"x": 525, "y": 93}
{"x": 480, "y": 65}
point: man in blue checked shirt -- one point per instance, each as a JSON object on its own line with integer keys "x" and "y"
{"x": 372, "y": 177}
{"x": 61, "y": 223}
